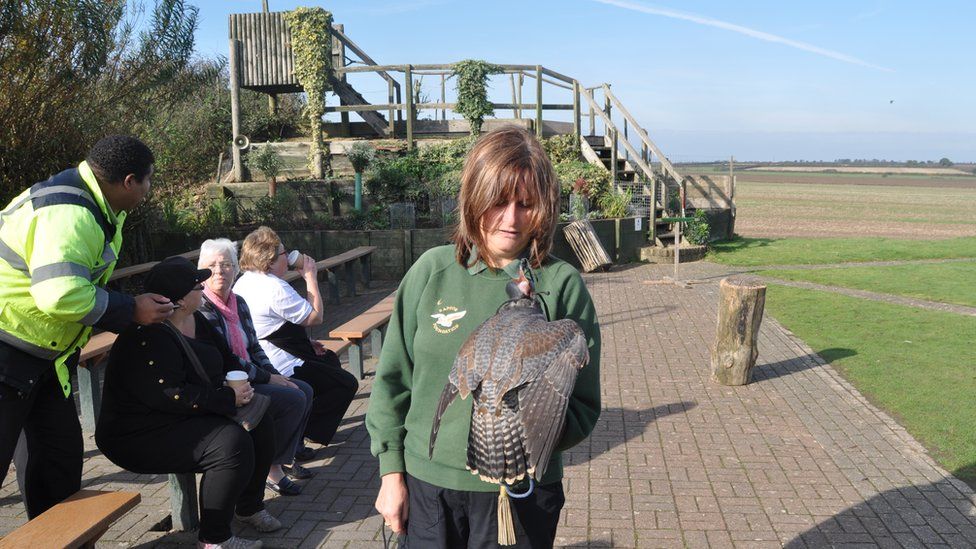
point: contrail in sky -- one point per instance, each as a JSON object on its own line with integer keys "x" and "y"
{"x": 701, "y": 20}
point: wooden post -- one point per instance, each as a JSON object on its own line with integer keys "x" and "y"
{"x": 339, "y": 60}
{"x": 183, "y": 501}
{"x": 592, "y": 119}
{"x": 90, "y": 393}
{"x": 443, "y": 95}
{"x": 653, "y": 220}
{"x": 521, "y": 81}
{"x": 235, "y": 108}
{"x": 515, "y": 111}
{"x": 408, "y": 81}
{"x": 272, "y": 104}
{"x": 538, "y": 101}
{"x": 740, "y": 311}
{"x": 731, "y": 231}
{"x": 626, "y": 152}
{"x": 391, "y": 114}
{"x": 577, "y": 129}
{"x": 613, "y": 157}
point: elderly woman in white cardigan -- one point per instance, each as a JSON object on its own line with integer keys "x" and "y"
{"x": 291, "y": 399}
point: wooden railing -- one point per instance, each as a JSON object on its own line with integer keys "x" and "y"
{"x": 617, "y": 134}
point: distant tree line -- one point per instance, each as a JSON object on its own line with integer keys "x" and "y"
{"x": 76, "y": 71}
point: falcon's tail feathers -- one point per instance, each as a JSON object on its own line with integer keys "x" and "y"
{"x": 447, "y": 396}
{"x": 495, "y": 450}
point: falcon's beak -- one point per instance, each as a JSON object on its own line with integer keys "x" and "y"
{"x": 524, "y": 284}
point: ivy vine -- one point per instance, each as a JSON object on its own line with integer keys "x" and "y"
{"x": 472, "y": 91}
{"x": 311, "y": 44}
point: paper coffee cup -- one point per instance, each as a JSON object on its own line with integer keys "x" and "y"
{"x": 236, "y": 378}
{"x": 295, "y": 259}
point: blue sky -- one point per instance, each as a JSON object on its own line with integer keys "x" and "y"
{"x": 760, "y": 80}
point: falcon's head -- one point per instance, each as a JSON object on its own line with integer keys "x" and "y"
{"x": 521, "y": 291}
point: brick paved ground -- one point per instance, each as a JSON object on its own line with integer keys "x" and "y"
{"x": 797, "y": 458}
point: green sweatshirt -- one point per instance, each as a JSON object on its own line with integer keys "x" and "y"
{"x": 438, "y": 305}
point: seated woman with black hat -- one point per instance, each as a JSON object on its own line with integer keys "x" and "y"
{"x": 166, "y": 410}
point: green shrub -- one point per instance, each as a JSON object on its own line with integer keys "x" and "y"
{"x": 195, "y": 215}
{"x": 615, "y": 204}
{"x": 275, "y": 211}
{"x": 597, "y": 178}
{"x": 697, "y": 231}
{"x": 562, "y": 148}
{"x": 396, "y": 179}
{"x": 450, "y": 152}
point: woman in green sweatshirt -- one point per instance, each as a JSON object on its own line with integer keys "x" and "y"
{"x": 509, "y": 205}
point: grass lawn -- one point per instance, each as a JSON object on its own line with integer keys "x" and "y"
{"x": 918, "y": 365}
{"x": 946, "y": 282}
{"x": 751, "y": 252}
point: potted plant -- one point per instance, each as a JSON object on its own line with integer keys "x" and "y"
{"x": 360, "y": 154}
{"x": 268, "y": 161}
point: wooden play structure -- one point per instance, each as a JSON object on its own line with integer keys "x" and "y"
{"x": 261, "y": 59}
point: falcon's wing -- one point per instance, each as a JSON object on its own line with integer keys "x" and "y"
{"x": 447, "y": 397}
{"x": 544, "y": 398}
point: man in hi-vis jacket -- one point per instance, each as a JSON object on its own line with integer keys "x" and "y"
{"x": 59, "y": 242}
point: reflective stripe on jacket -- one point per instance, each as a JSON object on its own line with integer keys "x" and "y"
{"x": 59, "y": 242}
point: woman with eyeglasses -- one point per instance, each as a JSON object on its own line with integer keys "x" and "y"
{"x": 291, "y": 400}
{"x": 162, "y": 414}
{"x": 280, "y": 317}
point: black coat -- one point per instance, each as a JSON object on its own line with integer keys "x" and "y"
{"x": 151, "y": 384}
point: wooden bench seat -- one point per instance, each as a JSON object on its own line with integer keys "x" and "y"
{"x": 78, "y": 521}
{"x": 372, "y": 324}
{"x": 337, "y": 346}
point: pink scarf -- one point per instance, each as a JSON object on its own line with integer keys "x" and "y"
{"x": 235, "y": 329}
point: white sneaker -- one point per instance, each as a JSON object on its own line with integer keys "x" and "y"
{"x": 233, "y": 543}
{"x": 262, "y": 521}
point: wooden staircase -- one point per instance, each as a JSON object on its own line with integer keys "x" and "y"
{"x": 600, "y": 145}
{"x": 349, "y": 96}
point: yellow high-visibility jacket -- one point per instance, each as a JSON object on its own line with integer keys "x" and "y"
{"x": 59, "y": 242}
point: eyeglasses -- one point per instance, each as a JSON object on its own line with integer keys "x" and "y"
{"x": 222, "y": 266}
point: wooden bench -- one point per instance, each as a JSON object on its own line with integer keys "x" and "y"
{"x": 78, "y": 521}
{"x": 346, "y": 260}
{"x": 372, "y": 324}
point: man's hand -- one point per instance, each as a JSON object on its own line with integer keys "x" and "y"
{"x": 278, "y": 379}
{"x": 152, "y": 308}
{"x": 392, "y": 502}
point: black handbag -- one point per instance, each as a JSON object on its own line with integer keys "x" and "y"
{"x": 247, "y": 416}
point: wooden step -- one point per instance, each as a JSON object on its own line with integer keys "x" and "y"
{"x": 350, "y": 96}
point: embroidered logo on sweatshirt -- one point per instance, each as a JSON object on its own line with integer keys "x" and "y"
{"x": 445, "y": 319}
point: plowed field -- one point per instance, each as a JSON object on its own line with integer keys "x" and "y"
{"x": 822, "y": 205}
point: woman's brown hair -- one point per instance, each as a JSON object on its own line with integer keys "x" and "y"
{"x": 260, "y": 250}
{"x": 505, "y": 164}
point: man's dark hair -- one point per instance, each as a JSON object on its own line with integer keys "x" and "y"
{"x": 116, "y": 156}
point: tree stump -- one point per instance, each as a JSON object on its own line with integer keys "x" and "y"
{"x": 740, "y": 313}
